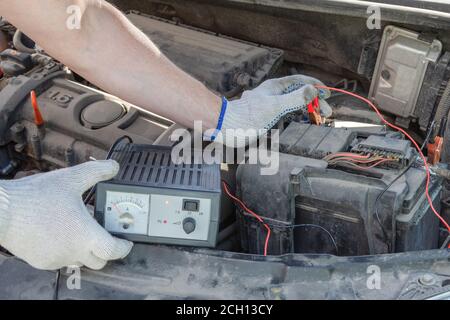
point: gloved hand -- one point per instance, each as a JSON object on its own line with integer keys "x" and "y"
{"x": 44, "y": 221}
{"x": 263, "y": 107}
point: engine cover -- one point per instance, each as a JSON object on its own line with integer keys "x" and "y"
{"x": 80, "y": 122}
{"x": 223, "y": 64}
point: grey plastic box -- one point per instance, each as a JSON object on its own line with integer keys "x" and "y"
{"x": 401, "y": 65}
{"x": 175, "y": 192}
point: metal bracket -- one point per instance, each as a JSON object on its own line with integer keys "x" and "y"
{"x": 446, "y": 243}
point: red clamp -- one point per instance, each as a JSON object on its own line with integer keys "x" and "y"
{"x": 437, "y": 144}
{"x": 314, "y": 112}
{"x": 435, "y": 150}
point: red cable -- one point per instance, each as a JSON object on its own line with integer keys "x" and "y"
{"x": 427, "y": 168}
{"x": 244, "y": 207}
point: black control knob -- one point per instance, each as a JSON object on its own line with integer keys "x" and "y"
{"x": 189, "y": 225}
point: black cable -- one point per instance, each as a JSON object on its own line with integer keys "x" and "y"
{"x": 116, "y": 144}
{"x": 385, "y": 235}
{"x": 429, "y": 133}
{"x": 86, "y": 201}
{"x": 306, "y": 225}
{"x": 109, "y": 155}
{"x": 56, "y": 291}
{"x": 318, "y": 227}
{"x": 381, "y": 195}
{"x": 272, "y": 225}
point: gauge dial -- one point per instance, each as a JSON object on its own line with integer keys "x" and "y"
{"x": 127, "y": 212}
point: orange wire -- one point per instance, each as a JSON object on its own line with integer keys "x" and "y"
{"x": 355, "y": 160}
{"x": 378, "y": 163}
{"x": 258, "y": 217}
{"x": 368, "y": 167}
{"x": 427, "y": 168}
{"x": 349, "y": 154}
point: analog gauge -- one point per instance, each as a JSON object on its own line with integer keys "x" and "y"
{"x": 127, "y": 212}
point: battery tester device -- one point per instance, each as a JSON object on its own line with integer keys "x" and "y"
{"x": 154, "y": 200}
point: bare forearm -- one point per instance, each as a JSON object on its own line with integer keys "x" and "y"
{"x": 113, "y": 54}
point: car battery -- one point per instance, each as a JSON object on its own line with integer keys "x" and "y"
{"x": 312, "y": 207}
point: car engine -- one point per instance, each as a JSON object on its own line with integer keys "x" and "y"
{"x": 345, "y": 190}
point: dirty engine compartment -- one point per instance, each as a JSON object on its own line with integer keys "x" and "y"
{"x": 349, "y": 193}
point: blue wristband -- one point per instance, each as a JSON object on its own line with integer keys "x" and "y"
{"x": 221, "y": 117}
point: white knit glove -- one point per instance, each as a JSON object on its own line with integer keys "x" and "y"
{"x": 43, "y": 219}
{"x": 261, "y": 108}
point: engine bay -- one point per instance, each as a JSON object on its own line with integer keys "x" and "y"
{"x": 348, "y": 187}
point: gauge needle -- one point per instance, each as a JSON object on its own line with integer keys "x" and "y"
{"x": 117, "y": 208}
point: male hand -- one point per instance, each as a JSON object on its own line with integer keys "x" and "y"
{"x": 263, "y": 107}
{"x": 44, "y": 221}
